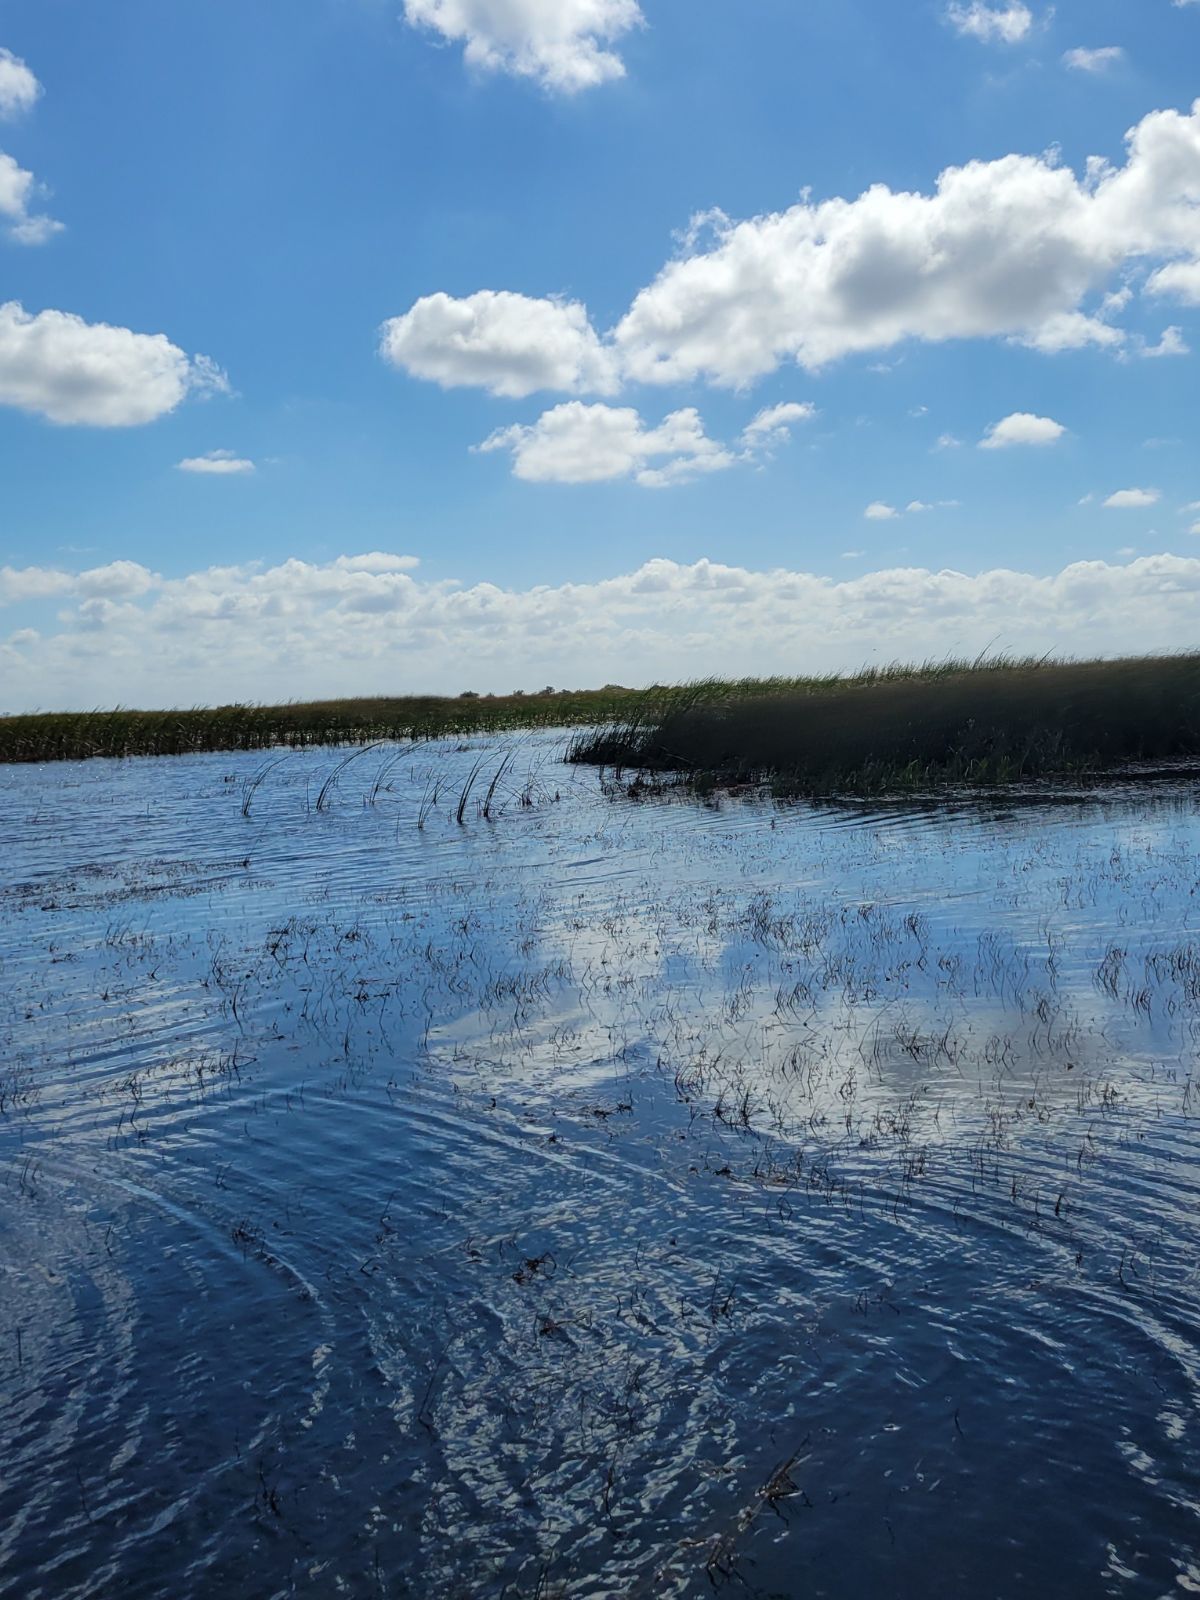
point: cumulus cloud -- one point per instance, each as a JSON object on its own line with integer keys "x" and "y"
{"x": 1022, "y": 427}
{"x": 559, "y": 43}
{"x": 577, "y": 443}
{"x": 58, "y": 366}
{"x": 217, "y": 463}
{"x": 18, "y": 189}
{"x": 880, "y": 511}
{"x": 509, "y": 344}
{"x": 1003, "y": 24}
{"x": 19, "y": 89}
{"x": 1010, "y": 248}
{"x": 1133, "y": 499}
{"x": 1095, "y": 61}
{"x": 307, "y": 629}
{"x": 1020, "y": 248}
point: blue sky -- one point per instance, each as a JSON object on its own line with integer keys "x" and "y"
{"x": 275, "y": 275}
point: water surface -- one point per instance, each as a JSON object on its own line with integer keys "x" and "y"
{"x": 604, "y": 1196}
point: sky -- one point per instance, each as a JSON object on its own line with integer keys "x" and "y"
{"x": 388, "y": 346}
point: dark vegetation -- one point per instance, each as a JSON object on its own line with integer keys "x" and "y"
{"x": 74, "y": 736}
{"x": 997, "y": 720}
{"x": 993, "y": 721}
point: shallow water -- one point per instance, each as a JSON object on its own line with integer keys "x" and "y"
{"x": 601, "y": 1197}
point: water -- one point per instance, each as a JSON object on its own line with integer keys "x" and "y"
{"x": 606, "y": 1197}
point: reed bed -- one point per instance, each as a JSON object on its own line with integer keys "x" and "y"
{"x": 78, "y": 735}
{"x": 997, "y": 721}
{"x": 75, "y": 736}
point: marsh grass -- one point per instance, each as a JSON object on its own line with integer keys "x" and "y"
{"x": 79, "y": 735}
{"x": 75, "y": 736}
{"x": 904, "y": 728}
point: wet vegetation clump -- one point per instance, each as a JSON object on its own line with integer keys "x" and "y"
{"x": 903, "y": 729}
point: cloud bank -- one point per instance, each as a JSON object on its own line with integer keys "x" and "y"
{"x": 367, "y": 624}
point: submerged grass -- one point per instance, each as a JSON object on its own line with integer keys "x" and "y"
{"x": 903, "y": 728}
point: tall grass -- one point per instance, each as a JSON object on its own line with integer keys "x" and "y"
{"x": 990, "y": 721}
{"x": 74, "y": 736}
{"x": 77, "y": 735}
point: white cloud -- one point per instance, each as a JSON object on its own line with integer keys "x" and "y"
{"x": 1010, "y": 248}
{"x": 119, "y": 580}
{"x": 1019, "y": 248}
{"x": 774, "y": 424}
{"x": 506, "y": 343}
{"x": 124, "y": 579}
{"x": 1133, "y": 499}
{"x": 58, "y": 366}
{"x": 217, "y": 463}
{"x": 1179, "y": 279}
{"x": 17, "y": 191}
{"x": 916, "y": 506}
{"x": 577, "y": 443}
{"x": 19, "y": 89}
{"x": 560, "y": 43}
{"x": 1172, "y": 343}
{"x": 880, "y": 511}
{"x": 1097, "y": 61}
{"x": 1006, "y": 24}
{"x": 301, "y": 629}
{"x": 1022, "y": 427}
{"x": 19, "y": 584}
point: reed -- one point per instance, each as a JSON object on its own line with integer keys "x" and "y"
{"x": 903, "y": 728}
{"x": 76, "y": 736}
